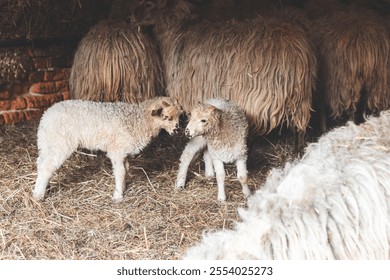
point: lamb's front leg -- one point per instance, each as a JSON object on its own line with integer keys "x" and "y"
{"x": 119, "y": 170}
{"x": 242, "y": 174}
{"x": 192, "y": 147}
{"x": 220, "y": 174}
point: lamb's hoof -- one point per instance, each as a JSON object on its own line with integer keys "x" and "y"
{"x": 117, "y": 197}
{"x": 180, "y": 184}
{"x": 246, "y": 191}
{"x": 38, "y": 196}
{"x": 209, "y": 175}
{"x": 221, "y": 198}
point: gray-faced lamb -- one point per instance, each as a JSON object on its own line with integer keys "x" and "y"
{"x": 120, "y": 129}
{"x": 332, "y": 204}
{"x": 221, "y": 129}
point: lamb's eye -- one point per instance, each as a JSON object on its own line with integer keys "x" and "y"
{"x": 203, "y": 121}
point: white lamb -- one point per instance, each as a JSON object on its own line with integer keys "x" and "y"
{"x": 120, "y": 129}
{"x": 332, "y": 204}
{"x": 221, "y": 129}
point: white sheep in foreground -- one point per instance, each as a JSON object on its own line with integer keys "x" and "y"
{"x": 221, "y": 129}
{"x": 120, "y": 129}
{"x": 334, "y": 203}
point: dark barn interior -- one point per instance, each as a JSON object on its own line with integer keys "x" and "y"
{"x": 48, "y": 54}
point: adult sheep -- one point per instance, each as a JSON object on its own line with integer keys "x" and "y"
{"x": 354, "y": 52}
{"x": 116, "y": 62}
{"x": 265, "y": 65}
{"x": 332, "y": 204}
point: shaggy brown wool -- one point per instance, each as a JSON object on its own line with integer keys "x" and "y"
{"x": 268, "y": 71}
{"x": 354, "y": 50}
{"x": 116, "y": 62}
{"x": 266, "y": 65}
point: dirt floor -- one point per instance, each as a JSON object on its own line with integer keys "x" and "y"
{"x": 78, "y": 220}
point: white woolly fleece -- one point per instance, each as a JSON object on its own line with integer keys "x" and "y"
{"x": 334, "y": 203}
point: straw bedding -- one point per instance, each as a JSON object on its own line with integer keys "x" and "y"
{"x": 78, "y": 220}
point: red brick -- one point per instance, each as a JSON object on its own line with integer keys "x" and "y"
{"x": 42, "y": 63}
{"x": 62, "y": 74}
{"x": 5, "y": 105}
{"x": 42, "y": 101}
{"x": 16, "y": 104}
{"x": 36, "y": 76}
{"x": 57, "y": 75}
{"x": 62, "y": 86}
{"x": 48, "y": 76}
{"x": 13, "y": 117}
{"x": 43, "y": 87}
{"x": 66, "y": 95}
{"x": 5, "y": 94}
{"x": 32, "y": 114}
{"x": 19, "y": 89}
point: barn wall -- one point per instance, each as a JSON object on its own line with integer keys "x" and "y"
{"x": 37, "y": 44}
{"x": 33, "y": 79}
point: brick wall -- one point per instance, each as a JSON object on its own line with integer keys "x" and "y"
{"x": 44, "y": 83}
{"x": 37, "y": 41}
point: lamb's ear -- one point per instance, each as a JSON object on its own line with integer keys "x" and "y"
{"x": 213, "y": 109}
{"x": 215, "y": 112}
{"x": 157, "y": 112}
{"x": 165, "y": 104}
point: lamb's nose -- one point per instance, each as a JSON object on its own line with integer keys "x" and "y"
{"x": 187, "y": 132}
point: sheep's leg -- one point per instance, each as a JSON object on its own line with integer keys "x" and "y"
{"x": 208, "y": 162}
{"x": 220, "y": 174}
{"x": 127, "y": 166}
{"x": 119, "y": 170}
{"x": 299, "y": 140}
{"x": 242, "y": 174}
{"x": 192, "y": 147}
{"x": 45, "y": 169}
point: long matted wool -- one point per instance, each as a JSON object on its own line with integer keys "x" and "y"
{"x": 354, "y": 51}
{"x": 266, "y": 65}
{"x": 116, "y": 62}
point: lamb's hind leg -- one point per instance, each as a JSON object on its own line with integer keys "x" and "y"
{"x": 242, "y": 174}
{"x": 47, "y": 164}
{"x": 119, "y": 164}
{"x": 44, "y": 173}
{"x": 220, "y": 174}
{"x": 192, "y": 147}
